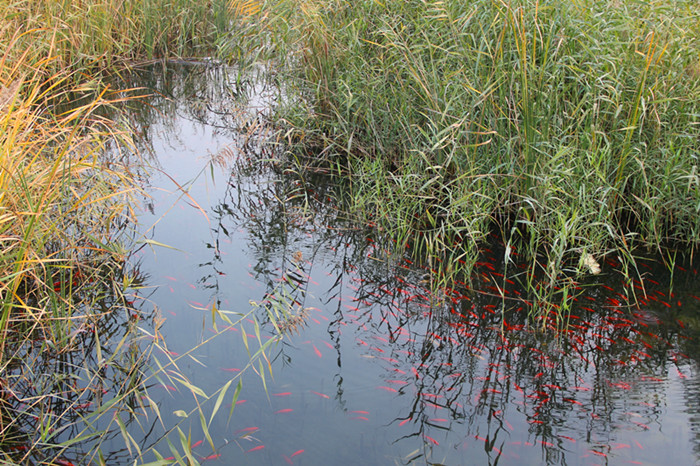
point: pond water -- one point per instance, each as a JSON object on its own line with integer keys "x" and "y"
{"x": 376, "y": 366}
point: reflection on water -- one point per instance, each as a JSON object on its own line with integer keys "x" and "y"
{"x": 55, "y": 383}
{"x": 377, "y": 366}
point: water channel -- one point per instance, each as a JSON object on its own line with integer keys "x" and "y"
{"x": 376, "y": 366}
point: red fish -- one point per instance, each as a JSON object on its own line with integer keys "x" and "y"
{"x": 397, "y": 382}
{"x": 63, "y": 462}
{"x": 621, "y": 445}
{"x": 388, "y": 389}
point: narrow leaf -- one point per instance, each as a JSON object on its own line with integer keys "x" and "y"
{"x": 219, "y": 400}
{"x": 235, "y": 398}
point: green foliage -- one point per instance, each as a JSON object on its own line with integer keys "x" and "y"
{"x": 99, "y": 34}
{"x": 570, "y": 127}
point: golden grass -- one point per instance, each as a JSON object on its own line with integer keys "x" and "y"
{"x": 245, "y": 8}
{"x": 60, "y": 200}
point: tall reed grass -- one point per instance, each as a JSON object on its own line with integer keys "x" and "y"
{"x": 104, "y": 34}
{"x": 569, "y": 127}
{"x": 63, "y": 210}
{"x": 61, "y": 203}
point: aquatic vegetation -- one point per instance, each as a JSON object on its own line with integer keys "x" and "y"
{"x": 63, "y": 278}
{"x": 568, "y": 128}
{"x": 62, "y": 205}
{"x": 83, "y": 354}
{"x": 488, "y": 370}
{"x": 566, "y": 137}
{"x": 100, "y": 34}
{"x": 460, "y": 371}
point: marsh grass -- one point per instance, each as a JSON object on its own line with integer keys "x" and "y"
{"x": 103, "y": 35}
{"x": 80, "y": 355}
{"x": 61, "y": 204}
{"x": 569, "y": 128}
{"x": 64, "y": 212}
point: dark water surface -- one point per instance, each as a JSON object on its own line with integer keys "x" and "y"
{"x": 376, "y": 367}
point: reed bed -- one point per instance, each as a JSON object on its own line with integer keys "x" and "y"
{"x": 570, "y": 129}
{"x": 63, "y": 211}
{"x": 62, "y": 204}
{"x": 100, "y": 35}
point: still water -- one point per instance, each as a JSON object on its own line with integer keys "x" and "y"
{"x": 377, "y": 366}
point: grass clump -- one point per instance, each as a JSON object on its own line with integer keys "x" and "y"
{"x": 63, "y": 209}
{"x": 62, "y": 205}
{"x": 571, "y": 128}
{"x": 105, "y": 34}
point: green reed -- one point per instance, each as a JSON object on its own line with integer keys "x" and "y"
{"x": 99, "y": 34}
{"x": 569, "y": 127}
